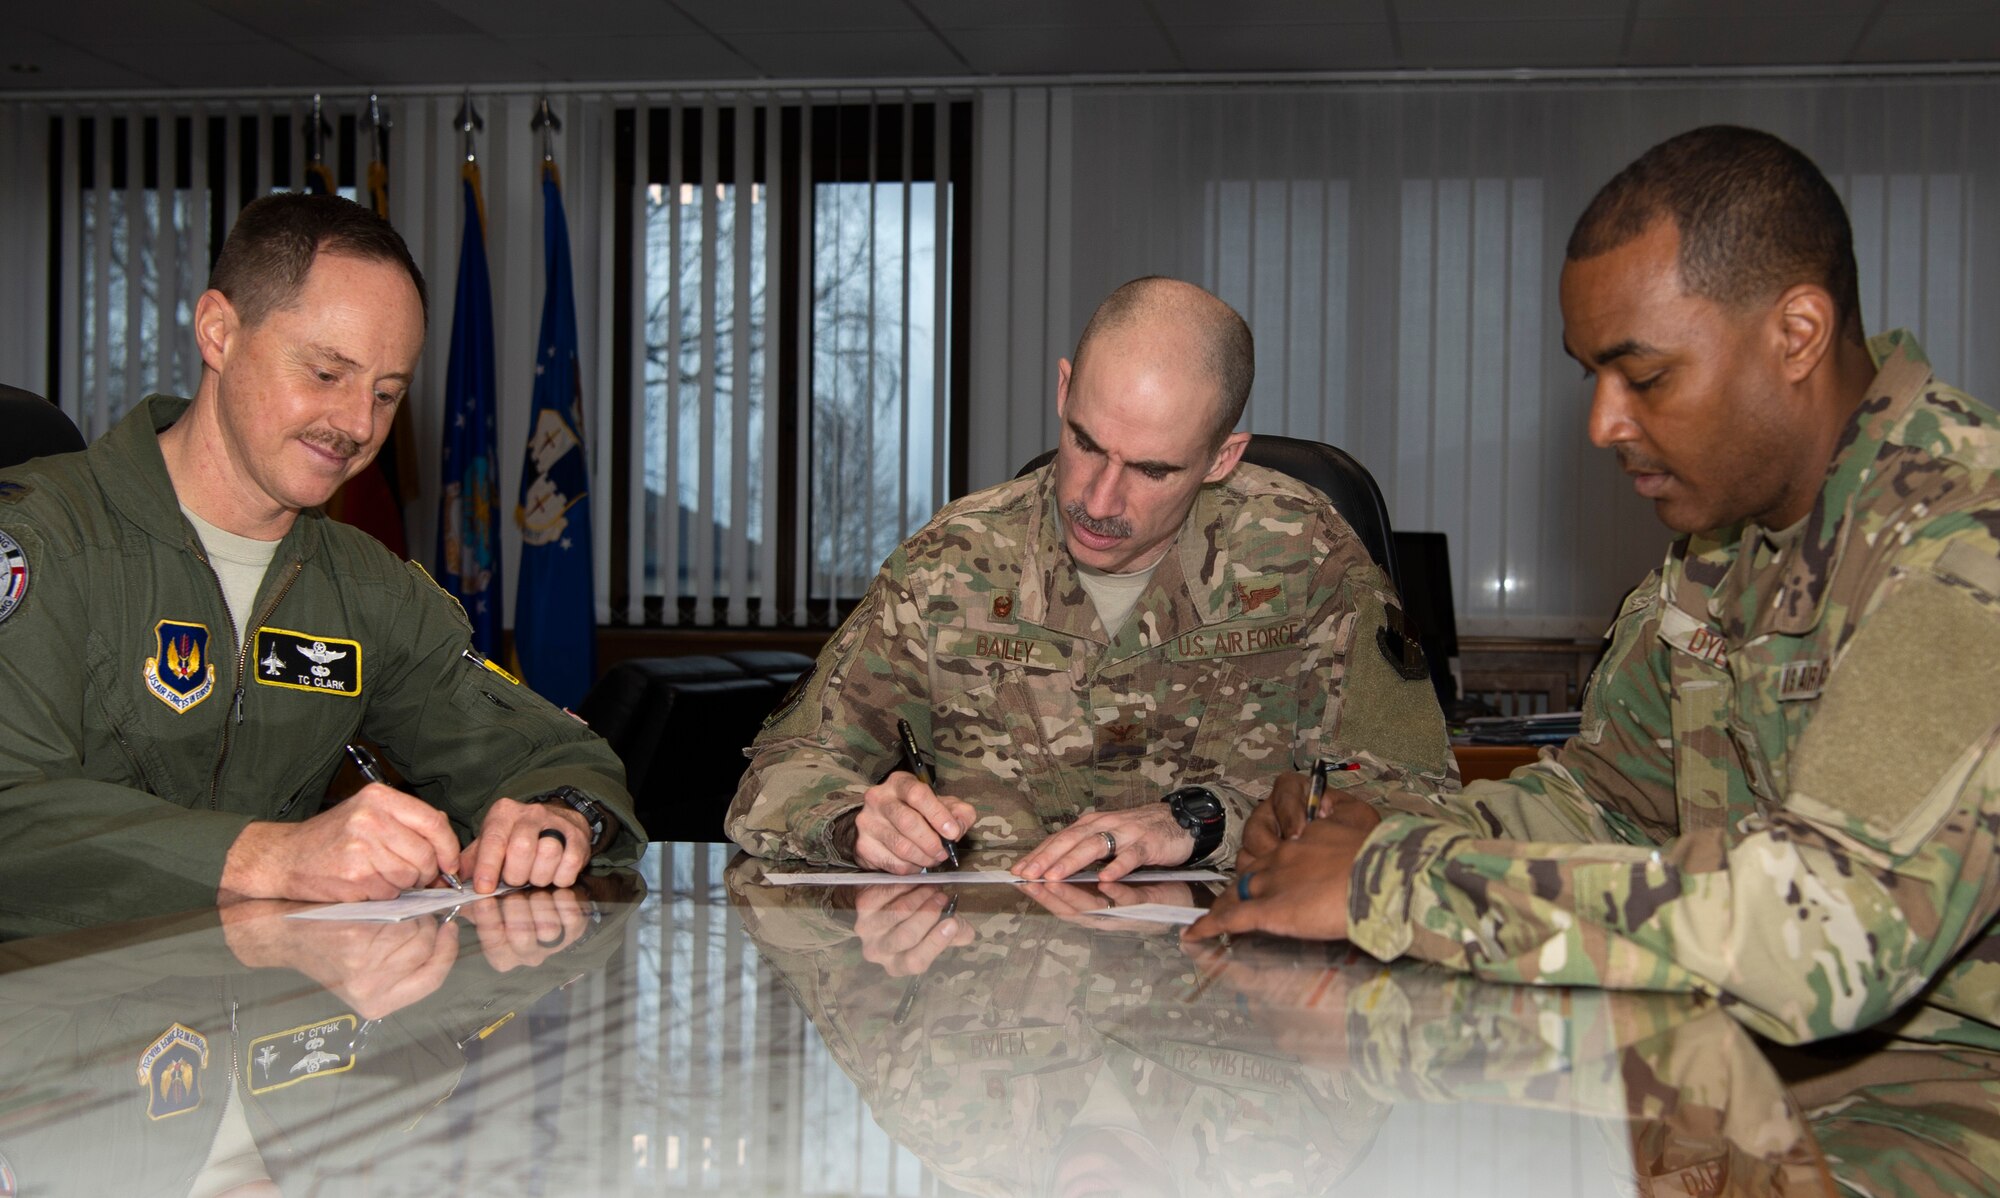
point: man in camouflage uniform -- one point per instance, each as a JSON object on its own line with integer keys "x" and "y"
{"x": 1785, "y": 790}
{"x": 1056, "y": 723}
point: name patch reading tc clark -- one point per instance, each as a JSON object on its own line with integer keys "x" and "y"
{"x": 306, "y": 661}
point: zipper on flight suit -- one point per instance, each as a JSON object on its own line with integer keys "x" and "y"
{"x": 235, "y": 1078}
{"x": 242, "y": 660}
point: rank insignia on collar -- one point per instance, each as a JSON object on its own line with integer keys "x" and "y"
{"x": 1003, "y": 605}
{"x": 300, "y": 1054}
{"x": 171, "y": 1069}
{"x": 182, "y": 675}
{"x": 13, "y": 575}
{"x": 307, "y": 661}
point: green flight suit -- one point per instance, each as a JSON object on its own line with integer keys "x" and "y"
{"x": 138, "y": 739}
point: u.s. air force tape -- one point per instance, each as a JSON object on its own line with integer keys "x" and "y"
{"x": 13, "y": 575}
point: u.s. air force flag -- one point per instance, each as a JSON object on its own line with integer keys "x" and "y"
{"x": 555, "y": 616}
{"x": 469, "y": 507}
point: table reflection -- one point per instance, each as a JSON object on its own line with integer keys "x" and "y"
{"x": 686, "y": 1028}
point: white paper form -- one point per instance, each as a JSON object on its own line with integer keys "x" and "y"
{"x": 974, "y": 877}
{"x": 1155, "y": 913}
{"x": 407, "y": 905}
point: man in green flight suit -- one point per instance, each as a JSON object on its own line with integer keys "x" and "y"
{"x": 1110, "y": 658}
{"x": 187, "y": 644}
{"x": 1786, "y": 787}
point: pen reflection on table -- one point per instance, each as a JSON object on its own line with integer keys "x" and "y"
{"x": 372, "y": 772}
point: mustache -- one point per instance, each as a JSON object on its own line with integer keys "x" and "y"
{"x": 1115, "y": 526}
{"x": 1631, "y": 461}
{"x": 332, "y": 442}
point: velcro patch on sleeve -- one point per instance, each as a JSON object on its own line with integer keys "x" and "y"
{"x": 1915, "y": 692}
{"x": 1382, "y": 709}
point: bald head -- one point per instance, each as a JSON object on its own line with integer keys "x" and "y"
{"x": 1187, "y": 317}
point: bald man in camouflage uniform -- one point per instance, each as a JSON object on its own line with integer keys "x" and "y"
{"x": 1785, "y": 790}
{"x": 1260, "y": 636}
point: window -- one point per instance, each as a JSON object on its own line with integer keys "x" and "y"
{"x": 793, "y": 321}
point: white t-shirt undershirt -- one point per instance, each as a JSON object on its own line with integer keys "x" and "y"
{"x": 240, "y": 564}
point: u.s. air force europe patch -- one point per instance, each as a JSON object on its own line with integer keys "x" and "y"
{"x": 171, "y": 1069}
{"x": 305, "y": 661}
{"x": 182, "y": 674}
{"x": 13, "y": 575}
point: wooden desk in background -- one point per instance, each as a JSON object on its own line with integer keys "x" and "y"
{"x": 1491, "y": 761}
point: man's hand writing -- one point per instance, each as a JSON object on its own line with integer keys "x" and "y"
{"x": 375, "y": 845}
{"x": 1276, "y": 820}
{"x": 375, "y": 968}
{"x": 902, "y": 825}
{"x": 1300, "y": 887}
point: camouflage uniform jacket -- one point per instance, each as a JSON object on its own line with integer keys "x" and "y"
{"x": 1233, "y": 667}
{"x": 1786, "y": 788}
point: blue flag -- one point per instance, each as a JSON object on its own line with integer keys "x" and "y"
{"x": 469, "y": 508}
{"x": 555, "y": 604}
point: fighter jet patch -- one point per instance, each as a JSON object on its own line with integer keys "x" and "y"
{"x": 181, "y": 673}
{"x": 302, "y": 1053}
{"x": 171, "y": 1069}
{"x": 306, "y": 661}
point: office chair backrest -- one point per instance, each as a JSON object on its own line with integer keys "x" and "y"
{"x": 32, "y": 427}
{"x": 1334, "y": 472}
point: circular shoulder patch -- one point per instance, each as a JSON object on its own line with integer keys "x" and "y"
{"x": 13, "y": 575}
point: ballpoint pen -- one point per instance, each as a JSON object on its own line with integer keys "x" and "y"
{"x": 365, "y": 762}
{"x": 1317, "y": 791}
{"x": 914, "y": 761}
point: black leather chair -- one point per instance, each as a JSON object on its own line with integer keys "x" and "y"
{"x": 680, "y": 725}
{"x": 1335, "y": 473}
{"x": 32, "y": 427}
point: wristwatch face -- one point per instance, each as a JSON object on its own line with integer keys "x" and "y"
{"x": 1196, "y": 805}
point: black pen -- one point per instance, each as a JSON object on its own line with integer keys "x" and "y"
{"x": 915, "y": 762}
{"x": 371, "y": 772}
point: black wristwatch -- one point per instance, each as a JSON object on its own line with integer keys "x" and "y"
{"x": 1198, "y": 810}
{"x": 593, "y": 812}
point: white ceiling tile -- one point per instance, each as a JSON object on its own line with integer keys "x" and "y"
{"x": 243, "y": 63}
{"x": 846, "y": 53}
{"x": 582, "y": 58}
{"x": 1514, "y": 10}
{"x": 1140, "y": 48}
{"x": 60, "y": 66}
{"x": 800, "y": 16}
{"x": 1323, "y": 47}
{"x": 293, "y": 20}
{"x": 1739, "y": 41}
{"x": 120, "y": 20}
{"x": 608, "y": 19}
{"x": 1718, "y": 13}
{"x": 414, "y": 61}
{"x": 1505, "y": 44}
{"x": 1933, "y": 37}
{"x": 1210, "y": 13}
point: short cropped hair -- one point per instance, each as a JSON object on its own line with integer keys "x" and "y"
{"x": 1227, "y": 348}
{"x": 270, "y": 249}
{"x": 1755, "y": 217}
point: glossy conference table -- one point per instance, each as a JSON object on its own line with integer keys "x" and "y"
{"x": 686, "y": 1028}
